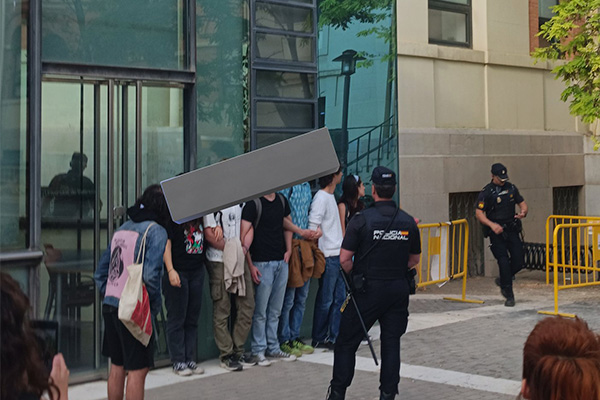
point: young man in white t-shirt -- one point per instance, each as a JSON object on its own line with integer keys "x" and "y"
{"x": 230, "y": 344}
{"x": 324, "y": 214}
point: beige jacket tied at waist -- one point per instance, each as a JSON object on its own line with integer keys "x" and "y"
{"x": 233, "y": 267}
{"x": 306, "y": 262}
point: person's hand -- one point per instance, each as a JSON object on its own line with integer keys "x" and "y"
{"x": 174, "y": 278}
{"x": 521, "y": 215}
{"x": 287, "y": 255}
{"x": 255, "y": 273}
{"x": 60, "y": 377}
{"x": 318, "y": 234}
{"x": 497, "y": 228}
{"x": 218, "y": 231}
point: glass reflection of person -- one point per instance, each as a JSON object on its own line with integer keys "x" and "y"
{"x": 71, "y": 195}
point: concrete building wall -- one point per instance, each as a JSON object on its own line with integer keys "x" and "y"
{"x": 460, "y": 110}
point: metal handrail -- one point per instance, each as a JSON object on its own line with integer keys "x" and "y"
{"x": 382, "y": 143}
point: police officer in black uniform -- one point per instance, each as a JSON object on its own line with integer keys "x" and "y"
{"x": 385, "y": 244}
{"x": 496, "y": 211}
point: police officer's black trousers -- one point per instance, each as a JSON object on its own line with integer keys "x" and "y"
{"x": 387, "y": 302}
{"x": 508, "y": 250}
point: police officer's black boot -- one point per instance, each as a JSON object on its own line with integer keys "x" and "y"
{"x": 387, "y": 396}
{"x": 509, "y": 295}
{"x": 335, "y": 394}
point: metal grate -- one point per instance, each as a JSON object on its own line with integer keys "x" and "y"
{"x": 462, "y": 205}
{"x": 565, "y": 200}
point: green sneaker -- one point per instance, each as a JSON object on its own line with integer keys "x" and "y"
{"x": 287, "y": 348}
{"x": 302, "y": 347}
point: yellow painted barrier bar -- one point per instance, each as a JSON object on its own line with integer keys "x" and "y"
{"x": 579, "y": 262}
{"x": 554, "y": 220}
{"x": 445, "y": 246}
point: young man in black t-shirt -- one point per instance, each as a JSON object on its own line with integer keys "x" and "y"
{"x": 268, "y": 248}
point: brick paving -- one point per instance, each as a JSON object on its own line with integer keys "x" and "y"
{"x": 460, "y": 346}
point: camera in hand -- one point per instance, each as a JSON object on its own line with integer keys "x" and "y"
{"x": 412, "y": 283}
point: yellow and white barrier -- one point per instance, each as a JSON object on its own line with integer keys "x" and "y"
{"x": 444, "y": 253}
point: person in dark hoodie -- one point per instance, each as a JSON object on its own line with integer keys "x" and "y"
{"x": 129, "y": 357}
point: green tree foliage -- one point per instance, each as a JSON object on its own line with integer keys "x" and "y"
{"x": 573, "y": 34}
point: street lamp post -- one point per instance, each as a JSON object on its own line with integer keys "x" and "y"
{"x": 348, "y": 60}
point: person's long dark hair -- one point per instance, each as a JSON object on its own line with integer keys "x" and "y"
{"x": 350, "y": 195}
{"x": 21, "y": 367}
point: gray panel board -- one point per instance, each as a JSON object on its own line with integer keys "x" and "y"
{"x": 251, "y": 175}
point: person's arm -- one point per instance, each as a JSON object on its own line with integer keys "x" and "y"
{"x": 173, "y": 275}
{"x": 287, "y": 235}
{"x": 289, "y": 226}
{"x": 246, "y": 237}
{"x": 483, "y": 219}
{"x": 413, "y": 260}
{"x": 101, "y": 274}
{"x": 213, "y": 238}
{"x": 342, "y": 211}
{"x": 523, "y": 209}
{"x": 346, "y": 260}
{"x": 156, "y": 242}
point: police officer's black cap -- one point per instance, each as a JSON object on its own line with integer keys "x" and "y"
{"x": 383, "y": 176}
{"x": 500, "y": 171}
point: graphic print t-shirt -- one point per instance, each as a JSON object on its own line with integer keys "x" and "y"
{"x": 187, "y": 246}
{"x": 122, "y": 255}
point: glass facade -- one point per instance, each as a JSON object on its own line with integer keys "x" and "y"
{"x": 117, "y": 113}
{"x": 222, "y": 79}
{"x": 127, "y": 33}
{"x": 13, "y": 125}
{"x": 367, "y": 137}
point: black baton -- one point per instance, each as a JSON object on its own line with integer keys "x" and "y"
{"x": 362, "y": 323}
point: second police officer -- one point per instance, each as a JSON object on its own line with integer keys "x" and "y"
{"x": 496, "y": 212}
{"x": 380, "y": 246}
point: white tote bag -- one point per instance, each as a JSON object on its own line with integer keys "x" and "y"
{"x": 134, "y": 305}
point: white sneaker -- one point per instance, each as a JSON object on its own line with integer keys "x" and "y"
{"x": 281, "y": 355}
{"x": 195, "y": 368}
{"x": 262, "y": 360}
{"x": 182, "y": 369}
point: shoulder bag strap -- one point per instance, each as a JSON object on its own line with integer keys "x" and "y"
{"x": 142, "y": 249}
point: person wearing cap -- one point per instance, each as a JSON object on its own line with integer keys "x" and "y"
{"x": 381, "y": 245}
{"x": 496, "y": 212}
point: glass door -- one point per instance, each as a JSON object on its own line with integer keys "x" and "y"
{"x": 103, "y": 141}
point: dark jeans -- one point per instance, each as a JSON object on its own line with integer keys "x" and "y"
{"x": 183, "y": 311}
{"x": 508, "y": 250}
{"x": 386, "y": 302}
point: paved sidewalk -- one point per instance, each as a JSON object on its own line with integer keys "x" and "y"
{"x": 452, "y": 351}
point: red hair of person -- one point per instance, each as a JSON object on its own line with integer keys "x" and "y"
{"x": 561, "y": 360}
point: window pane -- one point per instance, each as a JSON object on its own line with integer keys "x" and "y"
{"x": 286, "y": 48}
{"x": 284, "y": 115}
{"x": 447, "y": 26}
{"x": 285, "y": 84}
{"x": 544, "y": 8}
{"x": 13, "y": 126}
{"x": 285, "y": 18}
{"x": 129, "y": 33}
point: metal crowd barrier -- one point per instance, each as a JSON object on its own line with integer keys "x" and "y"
{"x": 551, "y": 223}
{"x": 444, "y": 252}
{"x": 573, "y": 255}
